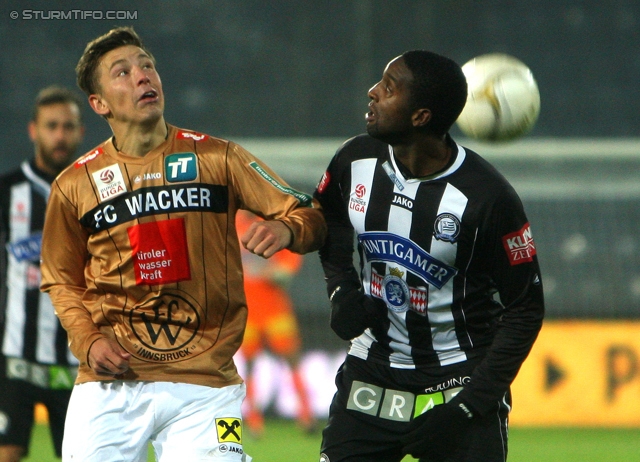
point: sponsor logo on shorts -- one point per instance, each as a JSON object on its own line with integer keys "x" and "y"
{"x": 384, "y": 403}
{"x": 224, "y": 448}
{"x": 229, "y": 430}
{"x": 395, "y": 405}
{"x": 453, "y": 382}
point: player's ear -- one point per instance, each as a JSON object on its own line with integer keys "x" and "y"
{"x": 99, "y": 105}
{"x": 421, "y": 117}
{"x": 32, "y": 130}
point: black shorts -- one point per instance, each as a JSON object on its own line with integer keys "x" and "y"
{"x": 17, "y": 401}
{"x": 374, "y": 404}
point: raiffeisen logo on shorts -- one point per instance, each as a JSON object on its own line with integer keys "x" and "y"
{"x": 182, "y": 166}
{"x": 109, "y": 182}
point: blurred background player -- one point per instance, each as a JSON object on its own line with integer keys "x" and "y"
{"x": 272, "y": 324}
{"x": 36, "y": 365}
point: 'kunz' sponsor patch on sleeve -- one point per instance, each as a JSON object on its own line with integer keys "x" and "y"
{"x": 519, "y": 245}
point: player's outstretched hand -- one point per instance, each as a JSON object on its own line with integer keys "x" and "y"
{"x": 437, "y": 433}
{"x": 265, "y": 238}
{"x": 106, "y": 357}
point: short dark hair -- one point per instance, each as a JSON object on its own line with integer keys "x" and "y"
{"x": 86, "y": 74}
{"x": 438, "y": 85}
{"x": 55, "y": 95}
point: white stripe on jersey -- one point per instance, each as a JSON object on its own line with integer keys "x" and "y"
{"x": 41, "y": 186}
{"x": 445, "y": 341}
{"x": 19, "y": 228}
{"x": 400, "y": 220}
{"x": 47, "y": 323}
{"x": 362, "y": 172}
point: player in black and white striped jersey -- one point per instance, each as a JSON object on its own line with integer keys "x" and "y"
{"x": 36, "y": 364}
{"x": 448, "y": 300}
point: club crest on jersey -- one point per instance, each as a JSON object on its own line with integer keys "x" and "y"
{"x": 180, "y": 167}
{"x": 395, "y": 291}
{"x": 417, "y": 295}
{"x": 446, "y": 227}
{"x": 110, "y": 182}
{"x": 519, "y": 246}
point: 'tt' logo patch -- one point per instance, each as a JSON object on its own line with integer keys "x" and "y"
{"x": 182, "y": 166}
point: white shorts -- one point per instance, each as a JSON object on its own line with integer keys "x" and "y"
{"x": 115, "y": 421}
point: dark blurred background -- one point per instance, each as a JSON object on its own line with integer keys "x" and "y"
{"x": 296, "y": 68}
{"x": 298, "y": 72}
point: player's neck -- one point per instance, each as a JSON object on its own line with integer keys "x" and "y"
{"x": 137, "y": 140}
{"x": 424, "y": 158}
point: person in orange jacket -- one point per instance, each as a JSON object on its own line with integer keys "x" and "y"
{"x": 271, "y": 324}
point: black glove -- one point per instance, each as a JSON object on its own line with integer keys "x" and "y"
{"x": 352, "y": 311}
{"x": 437, "y": 433}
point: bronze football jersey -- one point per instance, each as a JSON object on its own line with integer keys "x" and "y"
{"x": 144, "y": 250}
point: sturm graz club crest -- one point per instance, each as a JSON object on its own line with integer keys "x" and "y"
{"x": 395, "y": 291}
{"x": 446, "y": 227}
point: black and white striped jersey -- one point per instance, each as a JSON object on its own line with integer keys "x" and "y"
{"x": 452, "y": 256}
{"x": 29, "y": 328}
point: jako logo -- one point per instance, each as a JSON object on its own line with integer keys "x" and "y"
{"x": 181, "y": 167}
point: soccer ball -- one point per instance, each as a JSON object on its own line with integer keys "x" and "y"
{"x": 503, "y": 100}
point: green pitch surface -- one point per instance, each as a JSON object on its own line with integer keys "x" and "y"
{"x": 283, "y": 441}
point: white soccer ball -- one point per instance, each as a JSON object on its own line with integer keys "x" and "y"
{"x": 503, "y": 100}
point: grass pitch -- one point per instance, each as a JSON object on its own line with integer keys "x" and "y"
{"x": 283, "y": 441}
